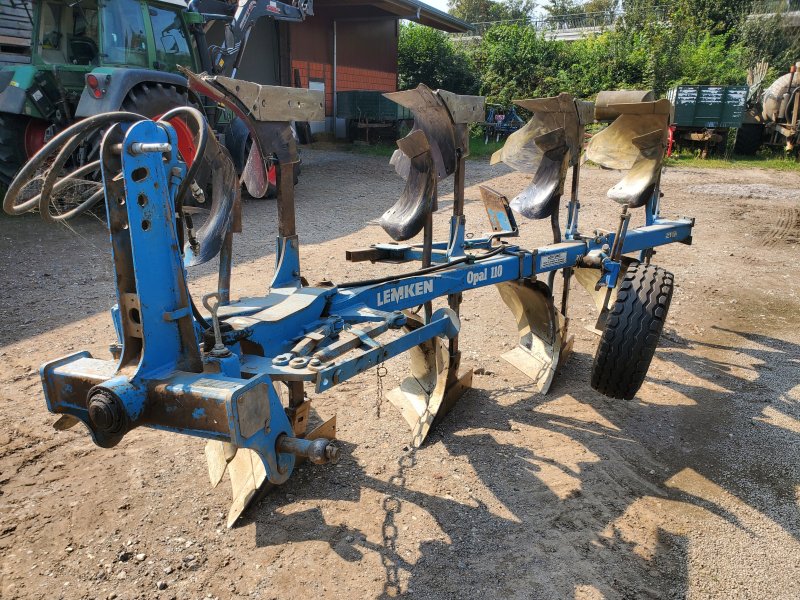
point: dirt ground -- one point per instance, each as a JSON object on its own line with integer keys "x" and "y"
{"x": 692, "y": 489}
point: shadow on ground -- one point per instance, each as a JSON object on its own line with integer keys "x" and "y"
{"x": 556, "y": 514}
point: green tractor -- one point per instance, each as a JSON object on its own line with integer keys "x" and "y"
{"x": 94, "y": 56}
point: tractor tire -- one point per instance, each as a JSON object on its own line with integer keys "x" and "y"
{"x": 154, "y": 99}
{"x": 749, "y": 139}
{"x": 12, "y": 151}
{"x": 632, "y": 331}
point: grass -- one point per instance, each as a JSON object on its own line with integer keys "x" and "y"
{"x": 760, "y": 161}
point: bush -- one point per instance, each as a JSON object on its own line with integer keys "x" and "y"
{"x": 657, "y": 45}
{"x": 429, "y": 56}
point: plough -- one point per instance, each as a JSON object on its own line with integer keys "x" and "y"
{"x": 235, "y": 375}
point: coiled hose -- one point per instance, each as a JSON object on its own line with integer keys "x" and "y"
{"x": 66, "y": 142}
{"x": 64, "y": 145}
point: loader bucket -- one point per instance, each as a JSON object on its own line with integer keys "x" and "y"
{"x": 635, "y": 141}
{"x": 543, "y": 342}
{"x": 407, "y": 217}
{"x": 443, "y": 117}
{"x": 545, "y": 148}
{"x": 433, "y": 387}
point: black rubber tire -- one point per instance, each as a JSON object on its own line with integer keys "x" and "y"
{"x": 12, "y": 150}
{"x": 632, "y": 331}
{"x": 153, "y": 99}
{"x": 749, "y": 139}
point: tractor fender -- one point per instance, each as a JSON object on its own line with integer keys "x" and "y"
{"x": 117, "y": 82}
{"x": 14, "y": 83}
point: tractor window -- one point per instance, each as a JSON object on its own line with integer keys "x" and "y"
{"x": 172, "y": 47}
{"x": 124, "y": 36}
{"x": 68, "y": 33}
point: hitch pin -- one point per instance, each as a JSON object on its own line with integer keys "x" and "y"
{"x": 318, "y": 451}
{"x": 144, "y": 147}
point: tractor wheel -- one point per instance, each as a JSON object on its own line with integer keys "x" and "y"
{"x": 20, "y": 138}
{"x": 153, "y": 99}
{"x": 12, "y": 153}
{"x": 631, "y": 334}
{"x": 749, "y": 139}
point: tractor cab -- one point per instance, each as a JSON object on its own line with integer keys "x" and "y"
{"x": 124, "y": 33}
{"x": 90, "y": 57}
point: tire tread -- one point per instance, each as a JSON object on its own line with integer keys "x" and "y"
{"x": 632, "y": 331}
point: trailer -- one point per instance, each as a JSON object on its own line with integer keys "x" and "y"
{"x": 364, "y": 111}
{"x": 704, "y": 114}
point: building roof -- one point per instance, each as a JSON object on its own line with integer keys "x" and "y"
{"x": 412, "y": 10}
{"x": 428, "y": 15}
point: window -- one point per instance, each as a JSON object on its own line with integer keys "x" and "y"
{"x": 68, "y": 33}
{"x": 172, "y": 47}
{"x": 124, "y": 37}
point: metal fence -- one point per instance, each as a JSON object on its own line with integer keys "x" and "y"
{"x": 594, "y": 21}
{"x": 762, "y": 7}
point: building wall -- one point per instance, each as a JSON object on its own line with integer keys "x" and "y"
{"x": 366, "y": 52}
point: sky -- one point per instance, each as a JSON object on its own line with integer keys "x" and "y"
{"x": 440, "y": 4}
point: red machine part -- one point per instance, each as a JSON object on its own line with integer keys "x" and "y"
{"x": 35, "y": 136}
{"x": 671, "y": 139}
{"x": 186, "y": 143}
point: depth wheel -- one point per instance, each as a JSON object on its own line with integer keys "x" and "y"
{"x": 632, "y": 331}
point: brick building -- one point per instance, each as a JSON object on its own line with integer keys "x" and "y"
{"x": 352, "y": 44}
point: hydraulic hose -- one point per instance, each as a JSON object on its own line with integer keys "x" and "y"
{"x": 27, "y": 172}
{"x": 202, "y": 142}
{"x": 64, "y": 145}
{"x": 425, "y": 271}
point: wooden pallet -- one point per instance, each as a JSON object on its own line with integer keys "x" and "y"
{"x": 15, "y": 32}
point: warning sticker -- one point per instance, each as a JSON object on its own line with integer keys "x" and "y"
{"x": 553, "y": 260}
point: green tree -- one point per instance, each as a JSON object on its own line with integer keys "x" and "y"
{"x": 427, "y": 55}
{"x": 516, "y": 61}
{"x": 558, "y": 8}
{"x": 482, "y": 11}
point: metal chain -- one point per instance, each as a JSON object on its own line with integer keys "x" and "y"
{"x": 391, "y": 506}
{"x": 380, "y": 373}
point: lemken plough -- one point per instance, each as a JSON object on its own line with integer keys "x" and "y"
{"x": 235, "y": 374}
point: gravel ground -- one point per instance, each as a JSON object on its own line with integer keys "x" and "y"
{"x": 692, "y": 489}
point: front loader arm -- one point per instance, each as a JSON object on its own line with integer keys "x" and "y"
{"x": 242, "y": 21}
